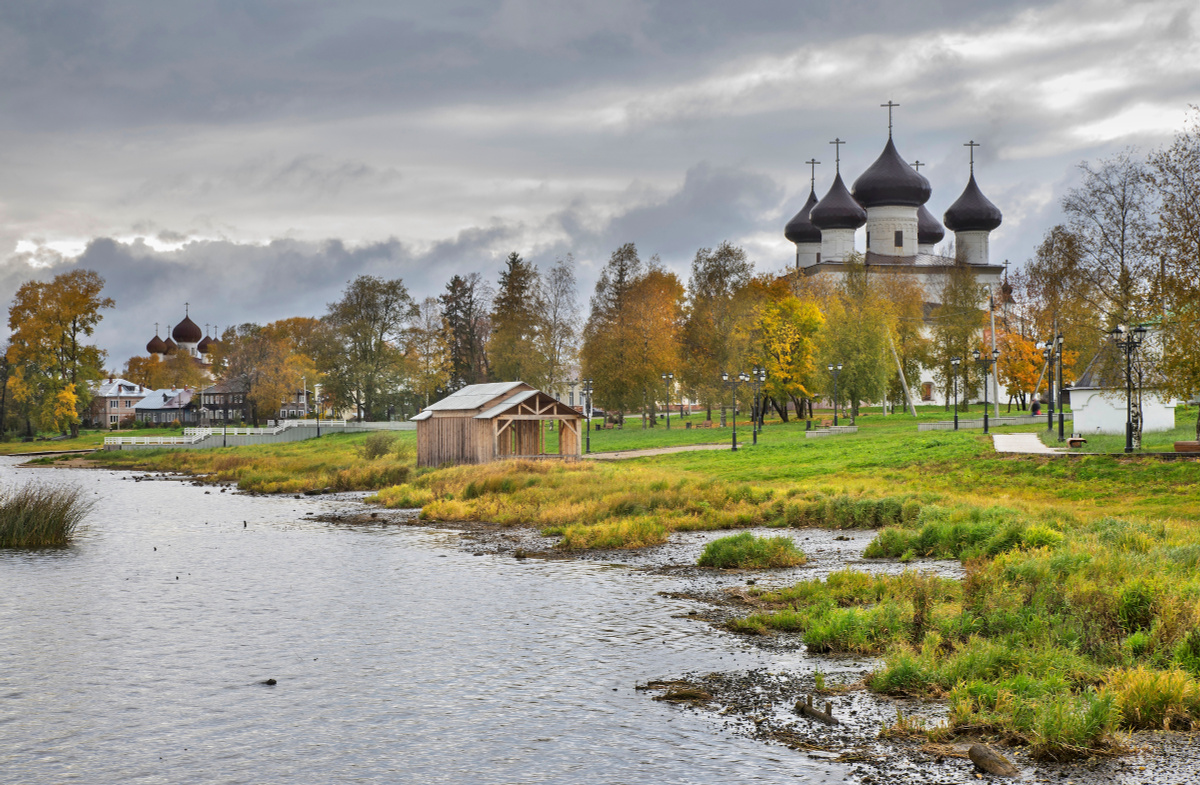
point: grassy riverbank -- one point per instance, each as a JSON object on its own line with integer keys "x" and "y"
{"x": 87, "y": 440}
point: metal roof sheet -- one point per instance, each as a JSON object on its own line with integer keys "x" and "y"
{"x": 472, "y": 396}
{"x": 421, "y": 416}
{"x": 500, "y": 407}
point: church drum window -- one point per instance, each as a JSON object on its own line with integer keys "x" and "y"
{"x": 899, "y": 238}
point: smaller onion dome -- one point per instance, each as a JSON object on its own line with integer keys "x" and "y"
{"x": 187, "y": 331}
{"x": 837, "y": 209}
{"x": 204, "y": 345}
{"x": 890, "y": 181}
{"x": 929, "y": 231}
{"x": 800, "y": 229}
{"x": 972, "y": 212}
{"x": 169, "y": 346}
{"x": 156, "y": 346}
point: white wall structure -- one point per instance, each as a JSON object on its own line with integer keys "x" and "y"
{"x": 807, "y": 254}
{"x": 836, "y": 244}
{"x": 1099, "y": 410}
{"x": 887, "y": 222}
{"x": 972, "y": 247}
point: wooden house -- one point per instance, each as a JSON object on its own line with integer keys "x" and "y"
{"x": 489, "y": 422}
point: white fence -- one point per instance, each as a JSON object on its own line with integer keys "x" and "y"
{"x": 284, "y": 431}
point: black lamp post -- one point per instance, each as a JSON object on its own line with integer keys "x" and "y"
{"x": 1048, "y": 353}
{"x": 1058, "y": 343}
{"x": 835, "y": 370}
{"x": 587, "y": 393}
{"x": 669, "y": 378}
{"x": 1128, "y": 342}
{"x": 758, "y": 378}
{"x": 732, "y": 383}
{"x": 954, "y": 363}
{"x": 986, "y": 361}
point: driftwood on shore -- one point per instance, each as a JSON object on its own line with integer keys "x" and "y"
{"x": 806, "y": 708}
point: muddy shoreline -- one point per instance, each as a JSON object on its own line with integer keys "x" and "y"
{"x": 760, "y": 704}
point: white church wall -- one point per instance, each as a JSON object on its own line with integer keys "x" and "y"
{"x": 882, "y": 225}
{"x": 836, "y": 244}
{"x": 972, "y": 246}
{"x": 807, "y": 254}
{"x": 1103, "y": 411}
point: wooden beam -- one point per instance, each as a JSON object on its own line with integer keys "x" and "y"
{"x": 572, "y": 416}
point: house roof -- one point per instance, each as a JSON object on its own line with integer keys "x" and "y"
{"x": 1106, "y": 371}
{"x": 165, "y": 399}
{"x": 524, "y": 395}
{"x": 111, "y": 388}
{"x": 473, "y": 396}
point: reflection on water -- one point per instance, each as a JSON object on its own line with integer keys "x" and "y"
{"x": 136, "y": 656}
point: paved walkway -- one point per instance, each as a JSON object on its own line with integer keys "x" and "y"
{"x": 1026, "y": 443}
{"x": 627, "y": 454}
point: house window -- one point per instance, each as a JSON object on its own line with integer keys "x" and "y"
{"x": 571, "y": 396}
{"x": 113, "y": 404}
{"x": 129, "y": 404}
{"x": 112, "y": 418}
{"x": 899, "y": 238}
{"x": 927, "y": 391}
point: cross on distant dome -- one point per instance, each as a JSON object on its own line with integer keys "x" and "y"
{"x": 813, "y": 162}
{"x": 185, "y": 309}
{"x": 206, "y": 328}
{"x": 838, "y": 142}
{"x": 972, "y": 145}
{"x": 917, "y": 165}
{"x": 890, "y": 106}
{"x": 156, "y": 328}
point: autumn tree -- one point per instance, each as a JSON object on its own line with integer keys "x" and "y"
{"x": 558, "y": 316}
{"x": 466, "y": 305}
{"x": 714, "y": 328}
{"x": 52, "y": 365}
{"x": 857, "y": 329}
{"x": 267, "y": 361}
{"x": 428, "y": 351}
{"x": 1175, "y": 176}
{"x": 1109, "y": 216}
{"x": 783, "y": 342}
{"x": 653, "y": 310}
{"x": 363, "y": 356}
{"x": 904, "y": 297}
{"x": 958, "y": 323}
{"x": 516, "y": 342}
{"x": 608, "y": 335}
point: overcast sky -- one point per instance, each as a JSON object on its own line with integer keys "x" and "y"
{"x": 251, "y": 156}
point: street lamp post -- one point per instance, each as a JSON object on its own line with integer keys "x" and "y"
{"x": 669, "y": 378}
{"x": 1058, "y": 342}
{"x": 732, "y": 383}
{"x": 587, "y": 392}
{"x": 955, "y": 362}
{"x": 1128, "y": 342}
{"x": 986, "y": 361}
{"x": 1048, "y": 353}
{"x": 835, "y": 370}
{"x": 758, "y": 377}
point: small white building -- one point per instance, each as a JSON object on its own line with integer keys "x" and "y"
{"x": 1098, "y": 401}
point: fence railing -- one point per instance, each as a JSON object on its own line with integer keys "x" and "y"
{"x": 195, "y": 435}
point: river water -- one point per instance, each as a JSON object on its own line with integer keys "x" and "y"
{"x": 137, "y": 655}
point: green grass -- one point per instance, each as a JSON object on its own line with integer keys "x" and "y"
{"x": 88, "y": 440}
{"x": 747, "y": 552}
{"x": 39, "y": 516}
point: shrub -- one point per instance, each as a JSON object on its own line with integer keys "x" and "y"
{"x": 36, "y": 516}
{"x": 1155, "y": 700}
{"x": 377, "y": 445}
{"x": 746, "y": 551}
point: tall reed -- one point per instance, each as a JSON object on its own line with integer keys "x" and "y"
{"x": 37, "y": 516}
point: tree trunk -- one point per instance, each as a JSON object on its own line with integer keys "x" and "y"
{"x": 782, "y": 410}
{"x": 722, "y": 415}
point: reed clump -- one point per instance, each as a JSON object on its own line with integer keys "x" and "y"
{"x": 747, "y": 552}
{"x": 39, "y": 516}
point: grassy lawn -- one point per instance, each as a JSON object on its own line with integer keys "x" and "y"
{"x": 88, "y": 440}
{"x": 1155, "y": 441}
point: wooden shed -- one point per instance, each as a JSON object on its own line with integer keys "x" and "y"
{"x": 490, "y": 422}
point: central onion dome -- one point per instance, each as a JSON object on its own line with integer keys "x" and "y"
{"x": 891, "y": 182}
{"x": 156, "y": 346}
{"x": 972, "y": 212}
{"x": 187, "y": 331}
{"x": 800, "y": 229}
{"x": 837, "y": 210}
{"x": 929, "y": 231}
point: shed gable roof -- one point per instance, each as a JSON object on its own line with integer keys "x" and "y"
{"x": 473, "y": 396}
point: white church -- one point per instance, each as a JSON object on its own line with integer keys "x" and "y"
{"x": 901, "y": 234}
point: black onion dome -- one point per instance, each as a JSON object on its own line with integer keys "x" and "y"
{"x": 972, "y": 212}
{"x": 837, "y": 210}
{"x": 800, "y": 229}
{"x": 187, "y": 331}
{"x": 156, "y": 346}
{"x": 890, "y": 181}
{"x": 929, "y": 231}
{"x": 204, "y": 345}
{"x": 169, "y": 346}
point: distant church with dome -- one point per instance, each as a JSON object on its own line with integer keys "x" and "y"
{"x": 889, "y": 198}
{"x": 186, "y": 337}
{"x": 902, "y": 236}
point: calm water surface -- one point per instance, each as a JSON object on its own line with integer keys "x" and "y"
{"x": 136, "y": 655}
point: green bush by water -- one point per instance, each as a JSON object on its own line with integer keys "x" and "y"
{"x": 745, "y": 551}
{"x": 37, "y": 516}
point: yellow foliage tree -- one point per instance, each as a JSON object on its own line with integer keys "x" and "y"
{"x": 784, "y": 343}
